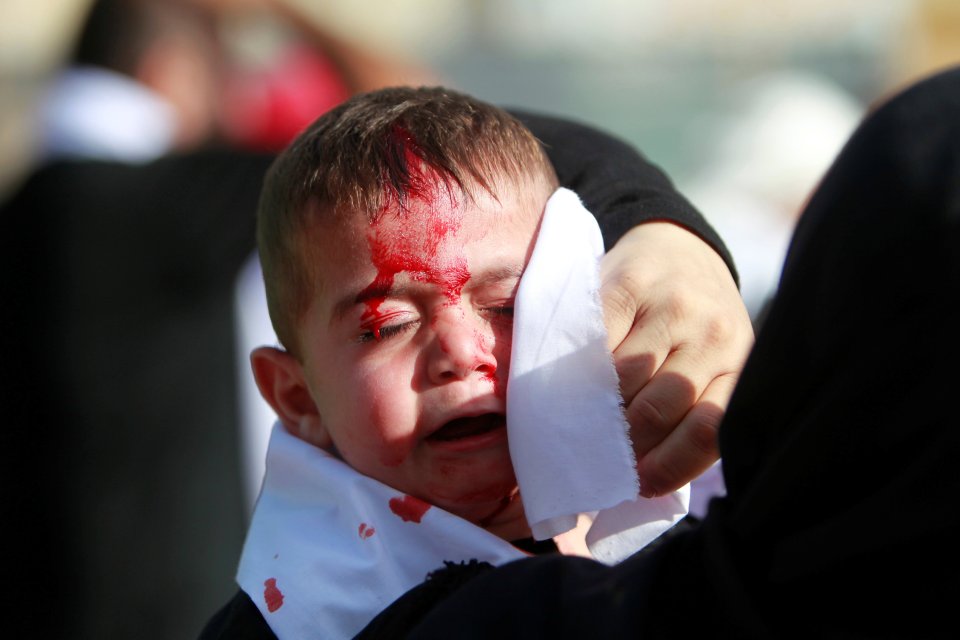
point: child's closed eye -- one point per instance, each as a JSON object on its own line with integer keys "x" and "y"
{"x": 500, "y": 311}
{"x": 384, "y": 327}
{"x": 378, "y": 334}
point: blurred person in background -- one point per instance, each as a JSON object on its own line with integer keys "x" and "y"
{"x": 283, "y": 69}
{"x": 122, "y": 251}
{"x": 766, "y": 159}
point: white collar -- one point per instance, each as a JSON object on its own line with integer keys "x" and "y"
{"x": 326, "y": 552}
{"x": 96, "y": 114}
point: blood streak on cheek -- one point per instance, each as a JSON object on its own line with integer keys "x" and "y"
{"x": 495, "y": 492}
{"x": 498, "y": 389}
{"x": 481, "y": 341}
{"x": 484, "y": 347}
{"x": 392, "y": 459}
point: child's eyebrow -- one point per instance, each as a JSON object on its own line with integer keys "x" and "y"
{"x": 376, "y": 291}
{"x": 494, "y": 276}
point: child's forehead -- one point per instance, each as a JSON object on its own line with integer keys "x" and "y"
{"x": 450, "y": 244}
{"x": 448, "y": 218}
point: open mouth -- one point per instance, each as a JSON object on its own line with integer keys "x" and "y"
{"x": 468, "y": 427}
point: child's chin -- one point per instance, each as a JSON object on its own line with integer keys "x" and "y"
{"x": 510, "y": 523}
{"x": 499, "y": 511}
{"x": 479, "y": 495}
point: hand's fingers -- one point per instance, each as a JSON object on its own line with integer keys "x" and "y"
{"x": 635, "y": 371}
{"x": 656, "y": 404}
{"x": 658, "y": 408}
{"x": 640, "y": 355}
{"x": 690, "y": 448}
{"x": 621, "y": 310}
{"x": 676, "y": 324}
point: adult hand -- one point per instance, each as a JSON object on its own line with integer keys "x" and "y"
{"x": 680, "y": 334}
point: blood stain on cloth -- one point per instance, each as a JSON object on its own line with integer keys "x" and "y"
{"x": 365, "y": 531}
{"x": 272, "y": 595}
{"x": 408, "y": 508}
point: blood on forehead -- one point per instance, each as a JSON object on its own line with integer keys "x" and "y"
{"x": 411, "y": 231}
{"x": 408, "y": 177}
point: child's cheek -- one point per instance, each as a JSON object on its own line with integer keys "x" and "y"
{"x": 384, "y": 415}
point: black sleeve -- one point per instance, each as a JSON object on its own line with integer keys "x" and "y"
{"x": 616, "y": 183}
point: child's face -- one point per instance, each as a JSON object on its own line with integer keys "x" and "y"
{"x": 406, "y": 347}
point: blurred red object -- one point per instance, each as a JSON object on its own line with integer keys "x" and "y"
{"x": 265, "y": 108}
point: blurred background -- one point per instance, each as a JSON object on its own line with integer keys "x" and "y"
{"x": 742, "y": 102}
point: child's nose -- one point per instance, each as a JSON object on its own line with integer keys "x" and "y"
{"x": 464, "y": 346}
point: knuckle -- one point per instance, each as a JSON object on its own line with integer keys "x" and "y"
{"x": 678, "y": 303}
{"x": 718, "y": 329}
{"x": 619, "y": 302}
{"x": 634, "y": 370}
{"x": 647, "y": 417}
{"x": 666, "y": 469}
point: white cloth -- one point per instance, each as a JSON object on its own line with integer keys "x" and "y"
{"x": 326, "y": 552}
{"x": 568, "y": 434}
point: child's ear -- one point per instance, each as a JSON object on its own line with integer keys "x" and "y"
{"x": 282, "y": 384}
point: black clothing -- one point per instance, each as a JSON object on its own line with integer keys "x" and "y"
{"x": 121, "y": 446}
{"x": 535, "y": 547}
{"x": 840, "y": 443}
{"x": 121, "y": 442}
{"x": 616, "y": 183}
{"x": 241, "y": 620}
